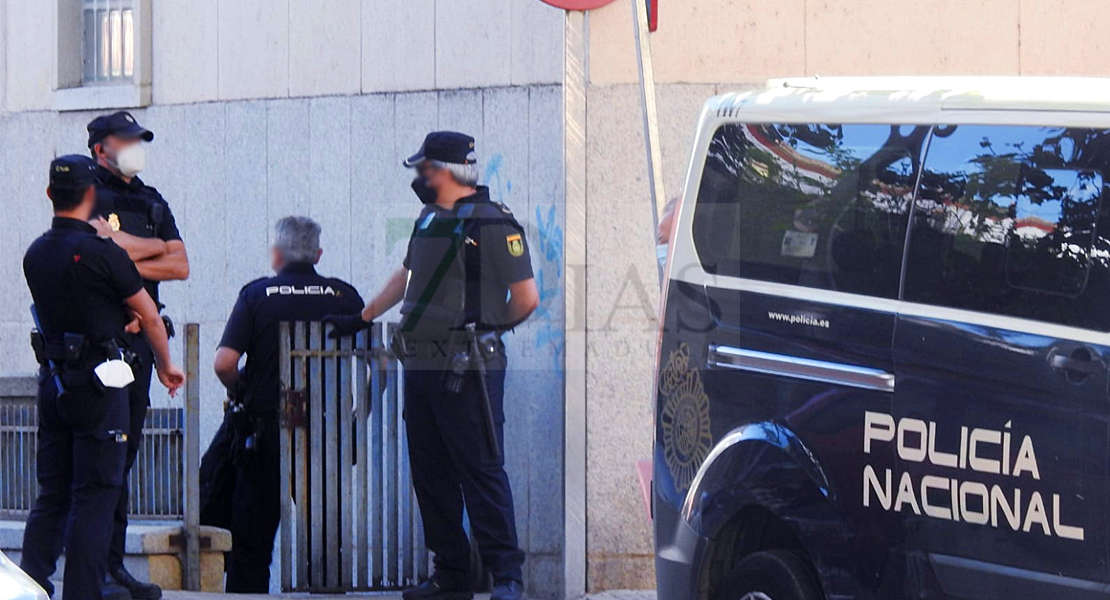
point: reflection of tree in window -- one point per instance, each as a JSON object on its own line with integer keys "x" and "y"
{"x": 1007, "y": 217}
{"x": 808, "y": 204}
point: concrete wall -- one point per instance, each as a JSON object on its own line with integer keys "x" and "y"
{"x": 705, "y": 47}
{"x": 622, "y": 313}
{"x": 206, "y": 50}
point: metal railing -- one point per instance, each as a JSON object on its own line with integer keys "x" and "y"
{"x": 19, "y": 420}
{"x": 157, "y": 480}
{"x": 164, "y": 481}
{"x": 349, "y": 516}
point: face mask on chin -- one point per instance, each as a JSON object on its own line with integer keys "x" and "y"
{"x": 426, "y": 193}
{"x": 130, "y": 161}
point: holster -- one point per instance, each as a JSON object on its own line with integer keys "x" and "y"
{"x": 490, "y": 345}
{"x": 71, "y": 352}
{"x": 171, "y": 332}
{"x": 484, "y": 346}
{"x": 38, "y": 345}
{"x": 69, "y": 360}
{"x": 74, "y": 346}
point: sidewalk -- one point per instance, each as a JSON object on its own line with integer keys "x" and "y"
{"x": 612, "y": 595}
{"x": 175, "y": 595}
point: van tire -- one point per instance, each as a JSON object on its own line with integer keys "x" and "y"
{"x": 771, "y": 575}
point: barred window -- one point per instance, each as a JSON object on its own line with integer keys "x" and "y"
{"x": 108, "y": 54}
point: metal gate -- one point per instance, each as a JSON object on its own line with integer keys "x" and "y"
{"x": 349, "y": 519}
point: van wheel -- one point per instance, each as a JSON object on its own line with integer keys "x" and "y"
{"x": 771, "y": 575}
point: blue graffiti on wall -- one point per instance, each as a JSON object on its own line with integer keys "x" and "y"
{"x": 547, "y": 256}
{"x": 549, "y": 279}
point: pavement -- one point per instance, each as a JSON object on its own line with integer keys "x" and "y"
{"x": 610, "y": 595}
{"x": 179, "y": 595}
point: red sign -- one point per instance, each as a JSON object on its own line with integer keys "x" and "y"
{"x": 578, "y": 4}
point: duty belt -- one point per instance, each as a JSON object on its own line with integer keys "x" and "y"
{"x": 409, "y": 345}
{"x": 71, "y": 360}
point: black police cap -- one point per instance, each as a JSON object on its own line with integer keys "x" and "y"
{"x": 120, "y": 124}
{"x": 445, "y": 146}
{"x": 72, "y": 172}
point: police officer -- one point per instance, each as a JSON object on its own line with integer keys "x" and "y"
{"x": 296, "y": 293}
{"x": 83, "y": 287}
{"x": 467, "y": 265}
{"x": 138, "y": 219}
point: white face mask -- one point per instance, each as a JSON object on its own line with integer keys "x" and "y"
{"x": 131, "y": 160}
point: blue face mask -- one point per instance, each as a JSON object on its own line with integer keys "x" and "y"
{"x": 423, "y": 191}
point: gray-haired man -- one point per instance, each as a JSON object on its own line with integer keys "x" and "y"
{"x": 296, "y": 293}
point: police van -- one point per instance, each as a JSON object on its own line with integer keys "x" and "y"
{"x": 883, "y": 364}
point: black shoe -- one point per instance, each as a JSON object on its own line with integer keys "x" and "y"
{"x": 508, "y": 589}
{"x": 439, "y": 588}
{"x": 112, "y": 590}
{"x": 138, "y": 589}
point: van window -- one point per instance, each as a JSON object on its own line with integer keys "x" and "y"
{"x": 1009, "y": 220}
{"x": 823, "y": 206}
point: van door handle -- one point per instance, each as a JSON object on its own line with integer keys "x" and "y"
{"x": 743, "y": 359}
{"x": 1075, "y": 365}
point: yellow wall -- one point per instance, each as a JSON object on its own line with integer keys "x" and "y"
{"x": 733, "y": 41}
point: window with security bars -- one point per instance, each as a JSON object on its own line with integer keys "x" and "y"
{"x": 108, "y": 51}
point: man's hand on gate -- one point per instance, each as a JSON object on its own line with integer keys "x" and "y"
{"x": 344, "y": 325}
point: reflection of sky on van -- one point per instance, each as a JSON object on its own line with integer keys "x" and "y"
{"x": 1003, "y": 141}
{"x": 1036, "y": 220}
{"x": 866, "y": 140}
{"x": 1081, "y": 186}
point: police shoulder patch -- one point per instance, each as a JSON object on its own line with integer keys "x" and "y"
{"x": 516, "y": 245}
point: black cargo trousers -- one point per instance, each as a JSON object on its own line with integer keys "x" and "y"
{"x": 453, "y": 467}
{"x": 82, "y": 448}
{"x": 255, "y": 505}
{"x": 138, "y": 399}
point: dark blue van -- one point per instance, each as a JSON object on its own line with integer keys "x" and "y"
{"x": 882, "y": 371}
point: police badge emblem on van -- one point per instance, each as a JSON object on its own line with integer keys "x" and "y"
{"x": 687, "y": 438}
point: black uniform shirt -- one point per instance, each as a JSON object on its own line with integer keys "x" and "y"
{"x": 297, "y": 293}
{"x": 135, "y": 208}
{"x": 79, "y": 282}
{"x": 473, "y": 251}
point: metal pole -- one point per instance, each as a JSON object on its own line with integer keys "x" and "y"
{"x": 316, "y": 559}
{"x": 286, "y": 459}
{"x": 651, "y": 116}
{"x": 574, "y": 262}
{"x": 192, "y": 457}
